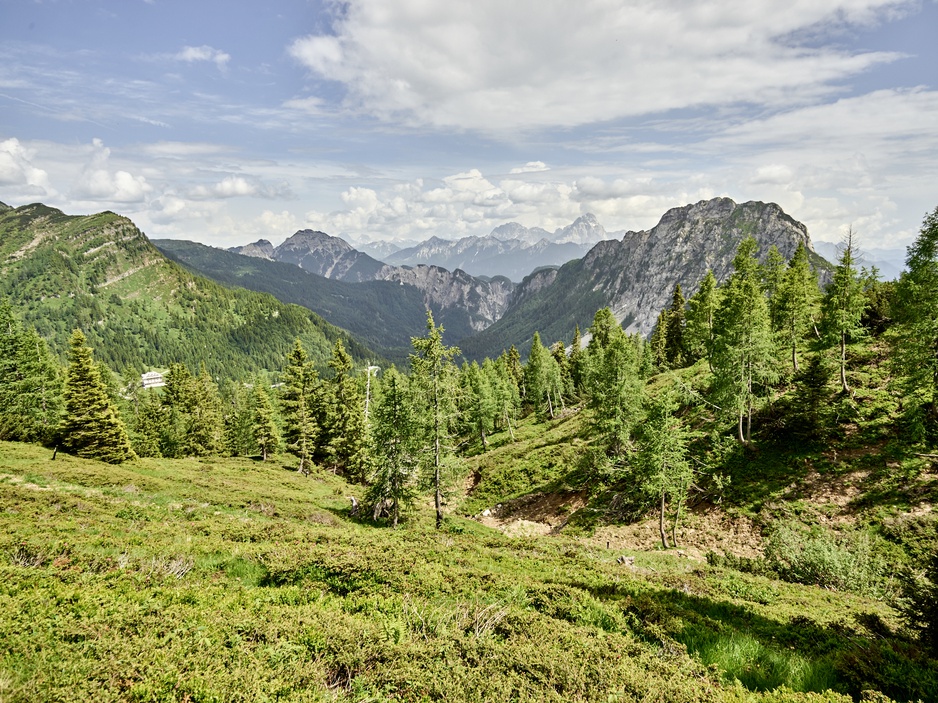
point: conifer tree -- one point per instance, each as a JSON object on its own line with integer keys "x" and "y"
{"x": 773, "y": 274}
{"x": 394, "y": 439}
{"x": 300, "y": 392}
{"x": 149, "y": 424}
{"x": 666, "y": 473}
{"x": 743, "y": 348}
{"x": 796, "y": 303}
{"x": 659, "y": 340}
{"x": 614, "y": 390}
{"x": 238, "y": 418}
{"x": 843, "y": 305}
{"x": 263, "y": 426}
{"x": 30, "y": 383}
{"x": 505, "y": 391}
{"x": 576, "y": 362}
{"x": 91, "y": 426}
{"x": 347, "y": 448}
{"x": 433, "y": 375}
{"x": 916, "y": 351}
{"x": 675, "y": 351}
{"x": 480, "y": 402}
{"x": 702, "y": 308}
{"x": 541, "y": 379}
{"x": 515, "y": 369}
{"x": 205, "y": 427}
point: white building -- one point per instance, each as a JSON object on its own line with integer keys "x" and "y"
{"x": 152, "y": 379}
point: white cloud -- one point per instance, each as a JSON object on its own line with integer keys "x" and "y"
{"x": 18, "y": 173}
{"x": 494, "y": 66}
{"x": 240, "y": 186}
{"x": 191, "y": 54}
{"x": 531, "y": 167}
{"x": 98, "y": 183}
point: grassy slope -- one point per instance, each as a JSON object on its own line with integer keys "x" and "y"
{"x": 139, "y": 310}
{"x": 234, "y": 580}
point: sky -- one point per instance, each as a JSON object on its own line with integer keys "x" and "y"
{"x": 226, "y": 122}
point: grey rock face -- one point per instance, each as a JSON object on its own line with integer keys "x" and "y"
{"x": 261, "y": 249}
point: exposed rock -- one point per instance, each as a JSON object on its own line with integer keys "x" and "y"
{"x": 261, "y": 249}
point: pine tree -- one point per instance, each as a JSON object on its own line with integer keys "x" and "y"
{"x": 796, "y": 303}
{"x": 702, "y": 308}
{"x": 347, "y": 448}
{"x": 433, "y": 375}
{"x": 300, "y": 390}
{"x": 675, "y": 351}
{"x": 843, "y": 305}
{"x": 743, "y": 348}
{"x": 916, "y": 349}
{"x": 394, "y": 439}
{"x": 263, "y": 426}
{"x": 91, "y": 426}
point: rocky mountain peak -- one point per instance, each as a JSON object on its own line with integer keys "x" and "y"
{"x": 584, "y": 230}
{"x": 261, "y": 249}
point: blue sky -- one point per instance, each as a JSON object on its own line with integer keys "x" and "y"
{"x": 225, "y": 122}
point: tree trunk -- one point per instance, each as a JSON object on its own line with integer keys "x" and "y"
{"x": 843, "y": 363}
{"x": 794, "y": 356}
{"x": 511, "y": 432}
{"x": 664, "y": 535}
{"x": 485, "y": 442}
{"x": 677, "y": 519}
{"x": 739, "y": 428}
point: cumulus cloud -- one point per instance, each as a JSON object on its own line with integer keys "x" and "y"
{"x": 98, "y": 183}
{"x": 191, "y": 54}
{"x": 531, "y": 167}
{"x": 18, "y": 173}
{"x": 492, "y": 66}
{"x": 241, "y": 186}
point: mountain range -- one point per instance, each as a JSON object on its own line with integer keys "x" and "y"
{"x": 138, "y": 309}
{"x": 134, "y": 296}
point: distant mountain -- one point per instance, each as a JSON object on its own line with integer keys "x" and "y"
{"x": 383, "y": 314}
{"x": 635, "y": 276}
{"x": 262, "y": 249}
{"x": 381, "y": 249}
{"x": 511, "y": 250}
{"x": 890, "y": 262}
{"x": 137, "y": 308}
{"x": 472, "y": 303}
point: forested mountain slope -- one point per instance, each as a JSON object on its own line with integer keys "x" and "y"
{"x": 138, "y": 309}
{"x": 635, "y": 276}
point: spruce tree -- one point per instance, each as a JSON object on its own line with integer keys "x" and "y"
{"x": 614, "y": 386}
{"x": 702, "y": 308}
{"x": 433, "y": 375}
{"x": 299, "y": 396}
{"x": 796, "y": 303}
{"x": 659, "y": 340}
{"x": 773, "y": 274}
{"x": 916, "y": 349}
{"x": 347, "y": 448}
{"x": 263, "y": 426}
{"x": 675, "y": 350}
{"x": 91, "y": 426}
{"x": 505, "y": 390}
{"x": 237, "y": 418}
{"x": 576, "y": 362}
{"x": 843, "y": 305}
{"x": 541, "y": 379}
{"x": 394, "y": 438}
{"x": 480, "y": 405}
{"x": 743, "y": 348}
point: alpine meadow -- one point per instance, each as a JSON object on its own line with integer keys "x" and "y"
{"x": 733, "y": 508}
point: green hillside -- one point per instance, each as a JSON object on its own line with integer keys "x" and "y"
{"x": 383, "y": 314}
{"x": 230, "y": 580}
{"x": 139, "y": 310}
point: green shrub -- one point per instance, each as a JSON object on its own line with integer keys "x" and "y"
{"x": 919, "y": 602}
{"x": 849, "y": 563}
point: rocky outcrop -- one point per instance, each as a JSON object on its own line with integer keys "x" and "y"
{"x": 328, "y": 256}
{"x": 635, "y": 275}
{"x": 261, "y": 249}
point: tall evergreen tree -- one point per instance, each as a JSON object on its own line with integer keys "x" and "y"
{"x": 666, "y": 474}
{"x": 675, "y": 350}
{"x": 299, "y": 398}
{"x": 773, "y": 274}
{"x": 702, "y": 308}
{"x": 743, "y": 349}
{"x": 347, "y": 448}
{"x": 916, "y": 351}
{"x": 394, "y": 438}
{"x": 505, "y": 391}
{"x": 91, "y": 426}
{"x": 238, "y": 418}
{"x": 843, "y": 305}
{"x": 433, "y": 375}
{"x": 541, "y": 379}
{"x": 263, "y": 426}
{"x": 796, "y": 303}
{"x": 576, "y": 362}
{"x": 658, "y": 343}
{"x": 480, "y": 404}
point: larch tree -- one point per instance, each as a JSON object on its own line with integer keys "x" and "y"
{"x": 665, "y": 471}
{"x": 916, "y": 348}
{"x": 675, "y": 349}
{"x": 91, "y": 426}
{"x": 843, "y": 305}
{"x": 743, "y": 355}
{"x": 433, "y": 374}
